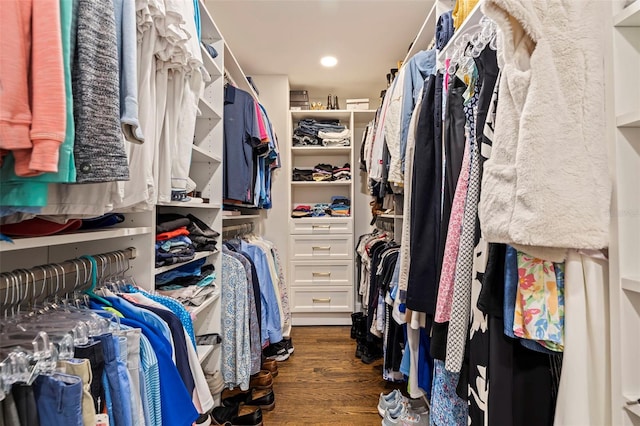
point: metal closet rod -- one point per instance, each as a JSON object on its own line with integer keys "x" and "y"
{"x": 243, "y": 228}
{"x": 69, "y": 269}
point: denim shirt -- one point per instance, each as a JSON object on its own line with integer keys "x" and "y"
{"x": 271, "y": 325}
{"x": 419, "y": 67}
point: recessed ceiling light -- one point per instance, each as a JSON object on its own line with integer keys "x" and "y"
{"x": 328, "y": 61}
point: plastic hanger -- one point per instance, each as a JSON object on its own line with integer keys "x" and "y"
{"x": 91, "y": 290}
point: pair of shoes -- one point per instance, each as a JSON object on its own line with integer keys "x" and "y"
{"x": 288, "y": 345}
{"x": 238, "y": 414}
{"x": 371, "y": 353}
{"x": 276, "y": 351}
{"x": 405, "y": 412}
{"x": 263, "y": 398}
{"x": 203, "y": 420}
{"x": 261, "y": 380}
{"x": 360, "y": 348}
{"x": 390, "y": 401}
{"x": 270, "y": 365}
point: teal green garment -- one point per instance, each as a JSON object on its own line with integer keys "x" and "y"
{"x": 32, "y": 191}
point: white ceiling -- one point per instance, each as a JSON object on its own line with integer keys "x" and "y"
{"x": 290, "y": 36}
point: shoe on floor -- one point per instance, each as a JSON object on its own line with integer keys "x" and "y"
{"x": 203, "y": 420}
{"x": 288, "y": 344}
{"x": 261, "y": 380}
{"x": 389, "y": 401}
{"x": 263, "y": 398}
{"x": 245, "y": 415}
{"x": 270, "y": 365}
{"x": 276, "y": 351}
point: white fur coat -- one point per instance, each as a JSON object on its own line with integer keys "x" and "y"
{"x": 546, "y": 186}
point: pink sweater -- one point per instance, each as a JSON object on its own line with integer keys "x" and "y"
{"x": 32, "y": 92}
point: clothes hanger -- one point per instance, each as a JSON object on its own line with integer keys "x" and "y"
{"x": 91, "y": 290}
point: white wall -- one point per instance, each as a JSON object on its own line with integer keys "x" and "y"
{"x": 274, "y": 95}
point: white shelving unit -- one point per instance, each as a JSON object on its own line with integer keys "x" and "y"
{"x": 624, "y": 252}
{"x": 314, "y": 240}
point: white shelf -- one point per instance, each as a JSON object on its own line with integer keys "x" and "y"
{"x": 238, "y": 77}
{"x": 20, "y": 243}
{"x": 633, "y": 408}
{"x": 208, "y": 28}
{"x": 322, "y": 114}
{"x": 190, "y": 204}
{"x": 391, "y": 216}
{"x": 631, "y": 283}
{"x": 363, "y": 116}
{"x": 630, "y": 119}
{"x": 330, "y": 183}
{"x": 425, "y": 35}
{"x": 204, "y": 351}
{"x": 242, "y": 216}
{"x": 210, "y": 65}
{"x": 473, "y": 19}
{"x": 629, "y": 16}
{"x": 199, "y": 255}
{"x": 195, "y": 310}
{"x": 200, "y": 155}
{"x": 207, "y": 110}
{"x": 320, "y": 150}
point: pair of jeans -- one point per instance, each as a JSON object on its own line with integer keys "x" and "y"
{"x": 59, "y": 399}
{"x": 93, "y": 352}
{"x": 115, "y": 379}
{"x": 9, "y": 412}
{"x": 25, "y": 402}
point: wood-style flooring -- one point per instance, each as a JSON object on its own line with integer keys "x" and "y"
{"x": 323, "y": 383}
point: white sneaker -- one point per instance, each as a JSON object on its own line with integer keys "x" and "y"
{"x": 414, "y": 419}
{"x": 389, "y": 400}
{"x": 393, "y": 415}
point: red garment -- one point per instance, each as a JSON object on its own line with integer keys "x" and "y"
{"x": 172, "y": 234}
{"x": 38, "y": 227}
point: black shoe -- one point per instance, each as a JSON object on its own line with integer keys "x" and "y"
{"x": 360, "y": 348}
{"x": 276, "y": 351}
{"x": 355, "y": 317}
{"x": 237, "y": 415}
{"x": 288, "y": 344}
{"x": 370, "y": 354}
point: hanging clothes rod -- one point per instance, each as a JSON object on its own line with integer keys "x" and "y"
{"x": 43, "y": 281}
{"x": 237, "y": 230}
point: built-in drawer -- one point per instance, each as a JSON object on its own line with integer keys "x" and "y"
{"x": 323, "y": 299}
{"x": 322, "y": 273}
{"x": 320, "y": 247}
{"x": 321, "y": 225}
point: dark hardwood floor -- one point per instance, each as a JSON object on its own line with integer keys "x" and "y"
{"x": 323, "y": 383}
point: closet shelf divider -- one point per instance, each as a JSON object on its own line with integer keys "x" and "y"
{"x": 629, "y": 16}
{"x": 199, "y": 255}
{"x": 630, "y": 119}
{"x": 241, "y": 217}
{"x": 320, "y": 150}
{"x": 196, "y": 310}
{"x": 72, "y": 238}
{"x": 208, "y": 27}
{"x": 201, "y": 155}
{"x": 207, "y": 110}
{"x": 631, "y": 284}
{"x": 329, "y": 183}
{"x": 209, "y": 64}
{"x": 204, "y": 351}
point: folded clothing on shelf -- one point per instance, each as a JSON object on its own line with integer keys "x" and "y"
{"x": 202, "y": 236}
{"x": 340, "y": 206}
{"x": 302, "y": 175}
{"x": 302, "y": 210}
{"x": 178, "y": 249}
{"x": 307, "y": 133}
{"x": 342, "y": 173}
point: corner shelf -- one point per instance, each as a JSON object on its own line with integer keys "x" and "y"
{"x": 20, "y": 243}
{"x": 199, "y": 255}
{"x": 200, "y": 155}
{"x": 630, "y": 119}
{"x": 207, "y": 110}
{"x": 209, "y": 63}
{"x": 204, "y": 351}
{"x": 628, "y": 17}
{"x": 633, "y": 408}
{"x": 631, "y": 283}
{"x": 195, "y": 310}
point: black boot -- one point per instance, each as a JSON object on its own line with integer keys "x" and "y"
{"x": 354, "y": 323}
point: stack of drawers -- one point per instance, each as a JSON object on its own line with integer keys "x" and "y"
{"x": 321, "y": 269}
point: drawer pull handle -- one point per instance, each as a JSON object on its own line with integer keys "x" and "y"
{"x": 321, "y": 300}
{"x": 321, "y": 274}
{"x": 321, "y": 248}
{"x": 321, "y": 226}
